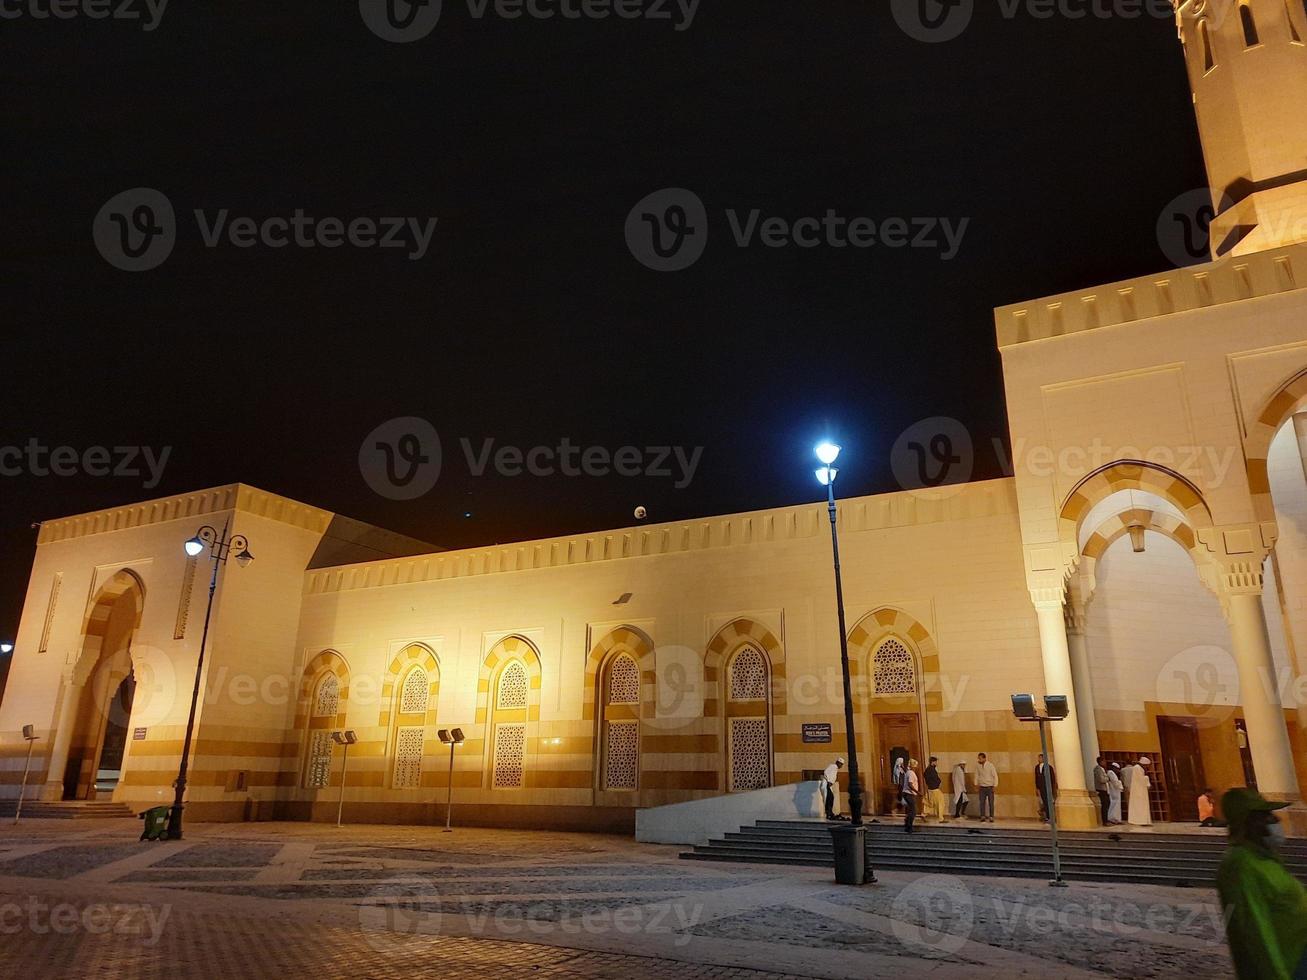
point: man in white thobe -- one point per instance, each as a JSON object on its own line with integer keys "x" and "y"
{"x": 1137, "y": 783}
{"x": 831, "y": 791}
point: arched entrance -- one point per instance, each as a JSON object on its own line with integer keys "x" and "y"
{"x": 103, "y": 686}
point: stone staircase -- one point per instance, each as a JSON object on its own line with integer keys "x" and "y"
{"x": 1186, "y": 860}
{"x": 67, "y": 810}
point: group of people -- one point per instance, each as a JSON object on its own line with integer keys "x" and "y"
{"x": 1112, "y": 784}
{"x": 922, "y": 792}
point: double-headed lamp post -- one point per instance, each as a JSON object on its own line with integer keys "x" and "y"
{"x": 850, "y": 869}
{"x": 220, "y": 549}
{"x": 451, "y": 737}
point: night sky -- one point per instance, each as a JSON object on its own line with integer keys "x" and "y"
{"x": 529, "y": 320}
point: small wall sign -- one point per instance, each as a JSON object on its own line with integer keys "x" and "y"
{"x": 138, "y": 734}
{"x": 816, "y": 732}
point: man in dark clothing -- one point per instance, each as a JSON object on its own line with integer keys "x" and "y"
{"x": 934, "y": 794}
{"x": 1044, "y": 809}
{"x": 1100, "y": 787}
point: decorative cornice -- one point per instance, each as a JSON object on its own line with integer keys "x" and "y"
{"x": 187, "y": 506}
{"x": 856, "y": 514}
{"x": 1229, "y": 280}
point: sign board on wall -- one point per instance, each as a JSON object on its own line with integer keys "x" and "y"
{"x": 816, "y": 732}
{"x": 138, "y": 734}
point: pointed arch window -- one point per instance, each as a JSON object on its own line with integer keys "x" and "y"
{"x": 893, "y": 670}
{"x": 620, "y": 721}
{"x": 1249, "y": 22}
{"x": 327, "y": 701}
{"x": 748, "y": 676}
{"x": 509, "y": 732}
{"x": 1205, "y": 40}
{"x": 415, "y": 693}
{"x": 748, "y": 725}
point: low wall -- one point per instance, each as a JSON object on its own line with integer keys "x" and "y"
{"x": 696, "y": 821}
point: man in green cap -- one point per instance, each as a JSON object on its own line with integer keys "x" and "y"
{"x": 1265, "y": 907}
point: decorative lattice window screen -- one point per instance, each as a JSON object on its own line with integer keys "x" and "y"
{"x": 893, "y": 669}
{"x": 622, "y": 755}
{"x": 749, "y": 676}
{"x": 327, "y": 703}
{"x": 750, "y": 754}
{"x": 414, "y": 694}
{"x": 408, "y": 758}
{"x": 510, "y": 749}
{"x": 512, "y": 686}
{"x": 318, "y": 772}
{"x": 624, "y": 682}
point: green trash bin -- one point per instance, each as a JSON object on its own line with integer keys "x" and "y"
{"x": 156, "y": 823}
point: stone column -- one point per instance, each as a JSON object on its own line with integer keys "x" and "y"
{"x": 1239, "y": 554}
{"x": 1086, "y": 720}
{"x": 1074, "y": 807}
{"x": 65, "y": 718}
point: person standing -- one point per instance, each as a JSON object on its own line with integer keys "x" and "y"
{"x": 1137, "y": 783}
{"x": 911, "y": 793}
{"x": 1114, "y": 789}
{"x": 1045, "y": 805}
{"x": 1100, "y": 787}
{"x": 831, "y": 777}
{"x": 1265, "y": 907}
{"x": 1207, "y": 810}
{"x": 986, "y": 784}
{"x": 958, "y": 787}
{"x": 934, "y": 791}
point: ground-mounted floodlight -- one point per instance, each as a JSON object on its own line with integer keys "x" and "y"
{"x": 1056, "y": 708}
{"x": 345, "y": 738}
{"x": 451, "y": 737}
{"x": 29, "y": 733}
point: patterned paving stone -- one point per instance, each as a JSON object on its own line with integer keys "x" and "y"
{"x": 68, "y": 861}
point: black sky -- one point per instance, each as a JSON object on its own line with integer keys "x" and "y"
{"x": 529, "y": 320}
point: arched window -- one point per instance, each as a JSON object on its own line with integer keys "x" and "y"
{"x": 1205, "y": 39}
{"x": 621, "y": 724}
{"x": 1246, "y": 18}
{"x": 893, "y": 670}
{"x": 327, "y": 701}
{"x": 748, "y": 730}
{"x": 512, "y": 686}
{"x": 410, "y": 729}
{"x": 510, "y": 726}
{"x": 326, "y": 704}
{"x": 748, "y": 676}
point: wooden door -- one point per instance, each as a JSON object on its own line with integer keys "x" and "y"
{"x": 1182, "y": 766}
{"x": 896, "y": 735}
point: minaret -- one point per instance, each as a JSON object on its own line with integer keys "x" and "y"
{"x": 1247, "y": 63}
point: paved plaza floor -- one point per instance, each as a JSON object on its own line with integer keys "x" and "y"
{"x": 86, "y": 899}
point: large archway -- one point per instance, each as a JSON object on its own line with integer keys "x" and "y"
{"x": 103, "y": 686}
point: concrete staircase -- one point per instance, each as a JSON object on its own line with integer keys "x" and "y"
{"x": 1140, "y": 857}
{"x": 67, "y": 810}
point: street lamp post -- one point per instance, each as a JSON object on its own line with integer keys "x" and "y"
{"x": 850, "y": 841}
{"x": 345, "y": 738}
{"x": 450, "y": 737}
{"x": 1056, "y": 708}
{"x": 220, "y": 549}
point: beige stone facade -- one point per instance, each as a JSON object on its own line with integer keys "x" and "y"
{"x": 1148, "y": 558}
